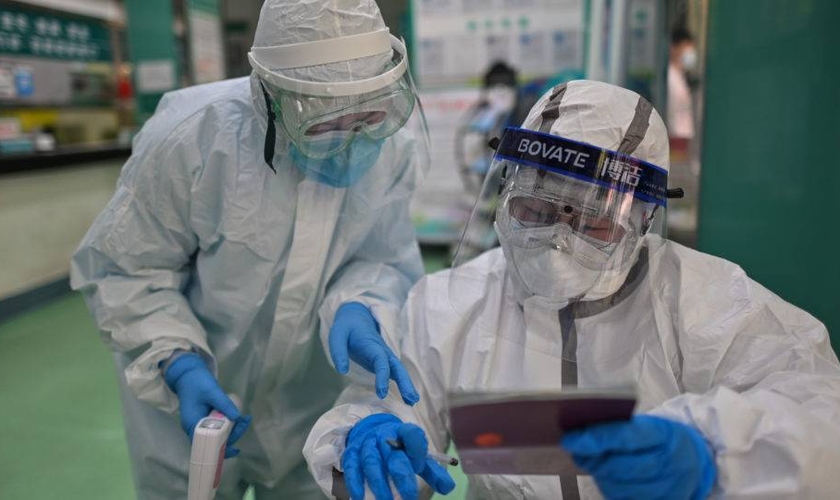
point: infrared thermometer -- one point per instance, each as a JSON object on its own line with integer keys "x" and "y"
{"x": 208, "y": 453}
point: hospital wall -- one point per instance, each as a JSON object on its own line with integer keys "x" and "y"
{"x": 43, "y": 215}
{"x": 768, "y": 192}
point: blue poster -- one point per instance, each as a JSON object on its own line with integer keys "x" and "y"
{"x": 23, "y": 81}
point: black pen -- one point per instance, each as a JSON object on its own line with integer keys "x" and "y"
{"x": 437, "y": 457}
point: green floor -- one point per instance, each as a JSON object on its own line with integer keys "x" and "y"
{"x": 62, "y": 435}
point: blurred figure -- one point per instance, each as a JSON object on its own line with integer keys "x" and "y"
{"x": 251, "y": 213}
{"x": 683, "y": 59}
{"x": 485, "y": 120}
{"x": 685, "y": 165}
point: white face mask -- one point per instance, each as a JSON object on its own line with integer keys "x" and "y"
{"x": 501, "y": 97}
{"x": 551, "y": 273}
{"x": 548, "y": 272}
{"x": 688, "y": 59}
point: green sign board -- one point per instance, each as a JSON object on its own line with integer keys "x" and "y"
{"x": 52, "y": 35}
{"x": 151, "y": 46}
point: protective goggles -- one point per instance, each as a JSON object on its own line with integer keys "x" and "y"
{"x": 530, "y": 212}
{"x": 307, "y": 119}
{"x": 376, "y": 107}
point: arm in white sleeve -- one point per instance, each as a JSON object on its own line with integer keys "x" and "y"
{"x": 763, "y": 386}
{"x": 379, "y": 275}
{"x": 134, "y": 263}
{"x": 325, "y": 444}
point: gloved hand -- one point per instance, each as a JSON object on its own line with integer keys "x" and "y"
{"x": 646, "y": 457}
{"x": 356, "y": 332}
{"x": 199, "y": 393}
{"x": 368, "y": 456}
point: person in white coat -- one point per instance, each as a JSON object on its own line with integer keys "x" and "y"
{"x": 253, "y": 213}
{"x": 738, "y": 391}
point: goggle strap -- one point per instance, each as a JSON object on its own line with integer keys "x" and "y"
{"x": 270, "y": 132}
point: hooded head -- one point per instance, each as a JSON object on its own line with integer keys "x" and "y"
{"x": 571, "y": 239}
{"x": 283, "y": 23}
{"x": 326, "y": 72}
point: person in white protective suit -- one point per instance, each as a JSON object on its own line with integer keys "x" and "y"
{"x": 253, "y": 213}
{"x": 738, "y": 391}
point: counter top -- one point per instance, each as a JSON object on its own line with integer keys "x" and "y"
{"x": 62, "y": 157}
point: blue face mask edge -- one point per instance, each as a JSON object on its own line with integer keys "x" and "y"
{"x": 343, "y": 169}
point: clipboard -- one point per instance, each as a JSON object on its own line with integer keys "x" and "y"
{"x": 520, "y": 433}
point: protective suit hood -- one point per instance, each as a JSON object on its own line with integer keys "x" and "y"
{"x": 608, "y": 117}
{"x": 282, "y": 24}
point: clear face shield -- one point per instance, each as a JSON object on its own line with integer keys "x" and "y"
{"x": 569, "y": 216}
{"x": 322, "y": 119}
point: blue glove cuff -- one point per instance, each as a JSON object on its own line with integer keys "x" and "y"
{"x": 709, "y": 473}
{"x": 185, "y": 363}
{"x": 369, "y": 423}
{"x": 353, "y": 306}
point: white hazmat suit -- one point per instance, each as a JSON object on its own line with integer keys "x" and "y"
{"x": 703, "y": 343}
{"x": 204, "y": 247}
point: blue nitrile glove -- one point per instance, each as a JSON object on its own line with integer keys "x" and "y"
{"x": 645, "y": 457}
{"x": 198, "y": 394}
{"x": 355, "y": 331}
{"x": 369, "y": 457}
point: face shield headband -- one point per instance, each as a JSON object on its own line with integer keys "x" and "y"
{"x": 585, "y": 162}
